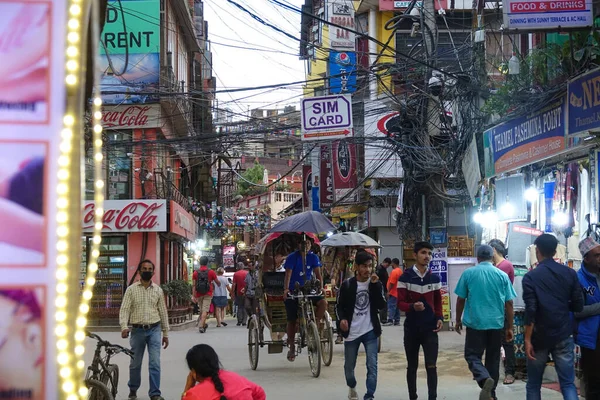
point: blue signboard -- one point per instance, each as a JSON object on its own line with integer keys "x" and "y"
{"x": 584, "y": 103}
{"x": 342, "y": 72}
{"x": 525, "y": 140}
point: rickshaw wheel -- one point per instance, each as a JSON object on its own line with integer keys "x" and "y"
{"x": 327, "y": 342}
{"x": 314, "y": 349}
{"x": 253, "y": 343}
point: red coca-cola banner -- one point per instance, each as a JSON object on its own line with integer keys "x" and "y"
{"x": 128, "y": 216}
{"x": 131, "y": 117}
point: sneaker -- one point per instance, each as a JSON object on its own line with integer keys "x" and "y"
{"x": 132, "y": 395}
{"x": 486, "y": 390}
{"x": 352, "y": 395}
{"x": 396, "y": 323}
{"x": 223, "y": 323}
{"x": 238, "y": 324}
{"x": 156, "y": 398}
{"x": 202, "y": 330}
{"x": 388, "y": 323}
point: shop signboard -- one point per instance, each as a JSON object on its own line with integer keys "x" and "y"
{"x": 128, "y": 216}
{"x": 439, "y": 266}
{"x": 228, "y": 256}
{"x": 525, "y": 140}
{"x": 381, "y": 158}
{"x": 396, "y": 5}
{"x": 129, "y": 52}
{"x": 547, "y": 15}
{"x": 306, "y": 186}
{"x": 342, "y": 72}
{"x": 131, "y": 117}
{"x": 345, "y": 171}
{"x": 326, "y": 117}
{"x": 182, "y": 222}
{"x": 341, "y": 14}
{"x": 584, "y": 103}
{"x": 326, "y": 188}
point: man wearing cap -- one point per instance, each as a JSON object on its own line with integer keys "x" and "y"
{"x": 551, "y": 292}
{"x": 588, "y": 320}
{"x": 486, "y": 296}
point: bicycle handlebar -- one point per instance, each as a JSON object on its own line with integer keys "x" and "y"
{"x": 114, "y": 348}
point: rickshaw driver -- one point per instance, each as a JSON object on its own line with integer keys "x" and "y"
{"x": 294, "y": 272}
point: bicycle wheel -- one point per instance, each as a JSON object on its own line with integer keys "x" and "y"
{"x": 110, "y": 378}
{"x": 97, "y": 390}
{"x": 253, "y": 343}
{"x": 327, "y": 341}
{"x": 314, "y": 349}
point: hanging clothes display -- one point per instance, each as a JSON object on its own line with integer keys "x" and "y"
{"x": 560, "y": 256}
{"x": 571, "y": 196}
{"x": 583, "y": 203}
{"x": 549, "y": 193}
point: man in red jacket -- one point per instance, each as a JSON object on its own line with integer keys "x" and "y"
{"x": 203, "y": 290}
{"x": 419, "y": 296}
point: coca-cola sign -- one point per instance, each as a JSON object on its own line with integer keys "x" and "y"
{"x": 128, "y": 216}
{"x": 131, "y": 117}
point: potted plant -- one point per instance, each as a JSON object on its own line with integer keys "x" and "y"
{"x": 179, "y": 297}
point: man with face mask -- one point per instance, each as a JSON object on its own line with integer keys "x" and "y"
{"x": 144, "y": 307}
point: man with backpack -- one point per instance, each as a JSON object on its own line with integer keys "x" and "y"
{"x": 203, "y": 280}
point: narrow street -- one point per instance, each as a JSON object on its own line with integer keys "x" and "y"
{"x": 283, "y": 380}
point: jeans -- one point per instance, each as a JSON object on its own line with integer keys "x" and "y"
{"x": 563, "y": 354}
{"x": 510, "y": 360}
{"x": 477, "y": 342}
{"x": 140, "y": 338}
{"x": 393, "y": 310}
{"x": 369, "y": 341}
{"x": 413, "y": 340}
{"x": 241, "y": 310}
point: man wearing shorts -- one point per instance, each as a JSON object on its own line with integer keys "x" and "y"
{"x": 203, "y": 290}
{"x": 295, "y": 272}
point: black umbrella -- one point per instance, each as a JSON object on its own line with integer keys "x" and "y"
{"x": 308, "y": 221}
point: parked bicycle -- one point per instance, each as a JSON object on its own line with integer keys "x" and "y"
{"x": 102, "y": 377}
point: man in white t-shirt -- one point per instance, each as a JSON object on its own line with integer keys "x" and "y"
{"x": 357, "y": 309}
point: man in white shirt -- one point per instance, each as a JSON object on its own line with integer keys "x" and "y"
{"x": 357, "y": 309}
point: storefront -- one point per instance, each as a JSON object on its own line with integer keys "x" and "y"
{"x": 183, "y": 230}
{"x": 130, "y": 233}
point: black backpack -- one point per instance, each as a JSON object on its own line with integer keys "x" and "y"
{"x": 202, "y": 284}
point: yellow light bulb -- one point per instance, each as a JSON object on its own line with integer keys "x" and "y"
{"x": 80, "y": 365}
{"x": 61, "y": 330}
{"x": 63, "y": 358}
{"x": 99, "y": 184}
{"x": 62, "y": 344}
{"x": 84, "y": 308}
{"x": 60, "y": 302}
{"x": 73, "y": 23}
{"x": 98, "y": 101}
{"x": 60, "y": 317}
{"x": 72, "y": 51}
{"x": 98, "y": 129}
{"x": 79, "y": 336}
{"x": 65, "y": 372}
{"x": 69, "y": 120}
{"x": 79, "y": 350}
{"x": 71, "y": 80}
{"x": 91, "y": 281}
{"x": 98, "y": 115}
{"x": 87, "y": 295}
{"x": 62, "y": 231}
{"x": 73, "y": 37}
{"x": 75, "y": 9}
{"x": 61, "y": 274}
{"x": 82, "y": 321}
{"x": 68, "y": 387}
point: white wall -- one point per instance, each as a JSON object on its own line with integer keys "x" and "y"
{"x": 390, "y": 242}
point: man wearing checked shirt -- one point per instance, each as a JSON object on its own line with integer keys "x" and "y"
{"x": 144, "y": 307}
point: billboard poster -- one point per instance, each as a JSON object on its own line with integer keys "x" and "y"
{"x": 228, "y": 256}
{"x": 547, "y": 14}
{"x": 306, "y": 186}
{"x": 341, "y": 13}
{"x": 129, "y": 52}
{"x": 439, "y": 265}
{"x": 525, "y": 140}
{"x": 345, "y": 171}
{"x": 326, "y": 191}
{"x": 342, "y": 72}
{"x": 32, "y": 109}
{"x": 381, "y": 158}
{"x": 583, "y": 109}
{"x": 395, "y": 5}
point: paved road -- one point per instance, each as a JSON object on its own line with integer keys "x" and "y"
{"x": 283, "y": 380}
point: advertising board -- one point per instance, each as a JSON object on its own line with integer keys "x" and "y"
{"x": 341, "y": 13}
{"x": 546, "y": 15}
{"x": 342, "y": 72}
{"x": 381, "y": 159}
{"x": 584, "y": 103}
{"x": 326, "y": 117}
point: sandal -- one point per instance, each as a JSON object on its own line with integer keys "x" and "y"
{"x": 291, "y": 355}
{"x": 509, "y": 379}
{"x": 223, "y": 323}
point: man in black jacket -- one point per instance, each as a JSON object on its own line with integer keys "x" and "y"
{"x": 359, "y": 301}
{"x": 383, "y": 275}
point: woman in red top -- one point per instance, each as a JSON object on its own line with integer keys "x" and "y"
{"x": 208, "y": 381}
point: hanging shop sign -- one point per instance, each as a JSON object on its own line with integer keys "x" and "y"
{"x": 525, "y": 140}
{"x": 327, "y": 117}
{"x": 345, "y": 171}
{"x": 471, "y": 171}
{"x": 306, "y": 186}
{"x": 584, "y": 103}
{"x": 342, "y": 72}
{"x": 439, "y": 266}
{"x": 182, "y": 222}
{"x": 128, "y": 216}
{"x": 131, "y": 117}
{"x": 129, "y": 53}
{"x": 381, "y": 158}
{"x": 396, "y": 5}
{"x": 228, "y": 256}
{"x": 326, "y": 191}
{"x": 546, "y": 15}
{"x": 341, "y": 13}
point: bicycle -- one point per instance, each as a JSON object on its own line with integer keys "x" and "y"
{"x": 102, "y": 377}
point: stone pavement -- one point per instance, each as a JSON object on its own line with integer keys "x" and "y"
{"x": 283, "y": 380}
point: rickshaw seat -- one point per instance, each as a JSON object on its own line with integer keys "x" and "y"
{"x": 273, "y": 286}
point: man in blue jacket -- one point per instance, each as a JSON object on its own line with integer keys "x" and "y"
{"x": 588, "y": 320}
{"x": 551, "y": 292}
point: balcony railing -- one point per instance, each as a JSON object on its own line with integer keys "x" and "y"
{"x": 165, "y": 189}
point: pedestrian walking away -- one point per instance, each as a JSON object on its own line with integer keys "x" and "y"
{"x": 237, "y": 290}
{"x": 220, "y": 297}
{"x": 203, "y": 280}
{"x": 551, "y": 293}
{"x": 506, "y": 266}
{"x": 295, "y": 272}
{"x": 419, "y": 296}
{"x": 383, "y": 275}
{"x": 144, "y": 308}
{"x": 486, "y": 295}
{"x": 207, "y": 380}
{"x": 588, "y": 320}
{"x": 392, "y": 287}
{"x": 357, "y": 309}
{"x": 249, "y": 291}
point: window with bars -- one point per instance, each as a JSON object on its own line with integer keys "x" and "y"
{"x": 448, "y": 54}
